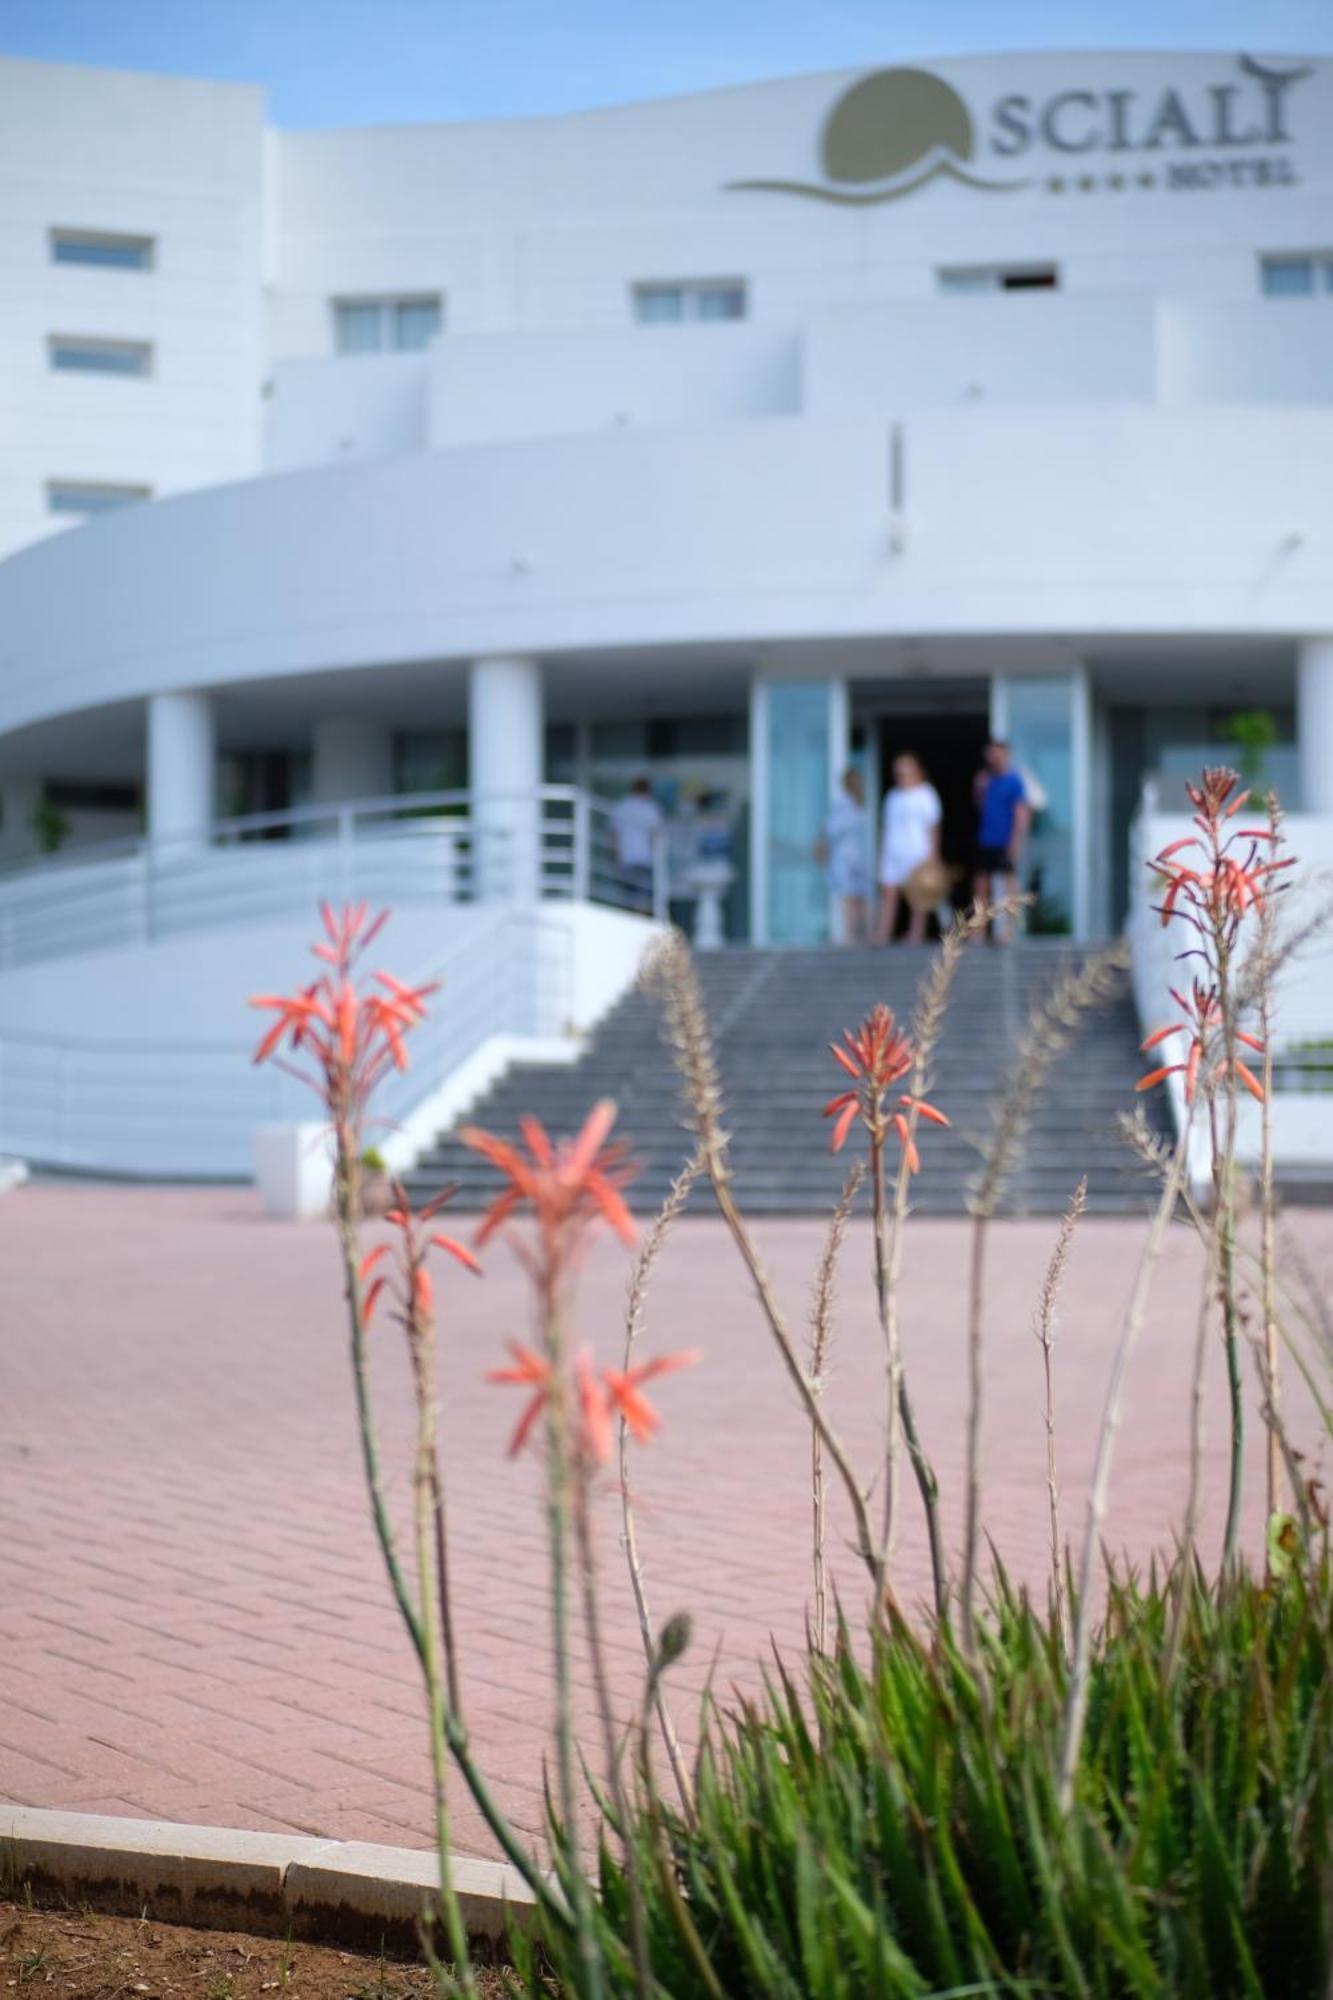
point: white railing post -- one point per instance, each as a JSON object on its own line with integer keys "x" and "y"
{"x": 661, "y": 886}
{"x": 582, "y": 848}
{"x": 146, "y": 890}
{"x": 346, "y": 835}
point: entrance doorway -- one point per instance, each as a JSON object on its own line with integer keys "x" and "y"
{"x": 949, "y": 743}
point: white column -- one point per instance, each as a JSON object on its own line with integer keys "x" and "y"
{"x": 350, "y": 758}
{"x": 181, "y": 751}
{"x": 1314, "y": 723}
{"x": 506, "y": 757}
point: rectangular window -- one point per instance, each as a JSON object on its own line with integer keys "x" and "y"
{"x": 1296, "y": 277}
{"x": 85, "y": 496}
{"x": 711, "y": 299}
{"x": 98, "y": 247}
{"x": 955, "y": 279}
{"x": 82, "y": 354}
{"x": 386, "y": 326}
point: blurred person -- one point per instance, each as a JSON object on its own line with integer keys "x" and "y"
{"x": 912, "y": 815}
{"x": 1003, "y": 818}
{"x": 682, "y": 853}
{"x": 842, "y": 850}
{"x": 636, "y": 821}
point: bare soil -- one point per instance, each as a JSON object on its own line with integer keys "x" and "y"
{"x": 68, "y": 1953}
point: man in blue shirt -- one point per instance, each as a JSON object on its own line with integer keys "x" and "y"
{"x": 1003, "y": 818}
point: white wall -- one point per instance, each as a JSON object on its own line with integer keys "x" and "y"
{"x": 1059, "y": 521}
{"x": 878, "y": 359}
{"x": 1030, "y": 348}
{"x": 1256, "y": 351}
{"x": 155, "y": 156}
{"x": 323, "y": 412}
{"x": 493, "y": 387}
{"x": 545, "y": 224}
{"x": 167, "y": 1085}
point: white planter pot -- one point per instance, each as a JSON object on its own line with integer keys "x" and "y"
{"x": 294, "y": 1169}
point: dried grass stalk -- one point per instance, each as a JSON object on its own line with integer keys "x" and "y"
{"x": 1046, "y": 1305}
{"x": 821, "y": 1342}
{"x": 670, "y": 970}
{"x": 1076, "y": 1703}
{"x": 927, "y": 1026}
{"x": 1267, "y": 1200}
{"x": 1052, "y": 1025}
{"x": 677, "y": 1196}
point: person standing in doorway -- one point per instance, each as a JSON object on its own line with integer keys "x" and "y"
{"x": 1003, "y": 818}
{"x": 912, "y": 815}
{"x": 843, "y": 849}
{"x": 636, "y": 821}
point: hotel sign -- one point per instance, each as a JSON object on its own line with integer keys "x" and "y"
{"x": 899, "y": 129}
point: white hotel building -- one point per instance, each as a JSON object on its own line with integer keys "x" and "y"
{"x": 722, "y": 439}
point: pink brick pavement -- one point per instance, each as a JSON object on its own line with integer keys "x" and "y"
{"x": 193, "y": 1624}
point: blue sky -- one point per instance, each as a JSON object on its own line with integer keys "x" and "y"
{"x": 347, "y": 62}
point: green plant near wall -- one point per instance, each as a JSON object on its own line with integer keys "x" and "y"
{"x": 1254, "y": 733}
{"x": 50, "y": 828}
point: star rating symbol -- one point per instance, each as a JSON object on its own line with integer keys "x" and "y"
{"x": 1089, "y": 183}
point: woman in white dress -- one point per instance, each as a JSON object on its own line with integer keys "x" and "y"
{"x": 911, "y": 836}
{"x": 843, "y": 850}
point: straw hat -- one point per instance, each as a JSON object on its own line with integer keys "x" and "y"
{"x": 928, "y": 885}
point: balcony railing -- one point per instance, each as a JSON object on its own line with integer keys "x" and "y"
{"x": 408, "y": 851}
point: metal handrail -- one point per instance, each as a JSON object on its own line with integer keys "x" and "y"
{"x": 235, "y": 828}
{"x": 419, "y": 847}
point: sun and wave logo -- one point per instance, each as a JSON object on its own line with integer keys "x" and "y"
{"x": 890, "y": 134}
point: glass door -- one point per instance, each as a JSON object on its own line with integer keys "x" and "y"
{"x": 799, "y": 737}
{"x": 1045, "y": 720}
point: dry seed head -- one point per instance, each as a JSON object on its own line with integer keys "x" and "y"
{"x": 1152, "y": 1150}
{"x": 821, "y": 1314}
{"x": 1055, "y": 1270}
{"x": 669, "y": 970}
{"x": 678, "y": 1194}
{"x": 933, "y": 994}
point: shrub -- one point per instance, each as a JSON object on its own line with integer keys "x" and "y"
{"x": 892, "y": 1826}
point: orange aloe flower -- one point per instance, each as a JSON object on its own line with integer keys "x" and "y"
{"x": 597, "y": 1398}
{"x": 1227, "y": 878}
{"x": 529, "y": 1371}
{"x": 349, "y": 1038}
{"x": 624, "y": 1390}
{"x": 877, "y": 1056}
{"x": 1204, "y": 1026}
{"x": 414, "y": 1289}
{"x": 566, "y": 1183}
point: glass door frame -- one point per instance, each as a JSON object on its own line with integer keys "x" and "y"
{"x": 1082, "y": 777}
{"x": 839, "y": 727}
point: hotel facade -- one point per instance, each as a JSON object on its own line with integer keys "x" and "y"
{"x": 725, "y": 440}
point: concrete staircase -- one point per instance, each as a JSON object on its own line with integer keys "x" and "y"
{"x": 774, "y": 1013}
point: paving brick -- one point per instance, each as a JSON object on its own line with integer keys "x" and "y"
{"x": 193, "y": 1618}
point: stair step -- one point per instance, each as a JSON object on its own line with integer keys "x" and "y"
{"x": 775, "y": 1014}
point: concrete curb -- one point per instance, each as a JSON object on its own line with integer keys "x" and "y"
{"x": 271, "y": 1883}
